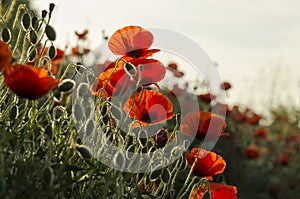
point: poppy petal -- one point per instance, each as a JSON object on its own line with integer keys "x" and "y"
{"x": 130, "y": 38}
{"x": 149, "y": 107}
{"x": 29, "y": 81}
{"x": 153, "y": 70}
{"x": 5, "y": 55}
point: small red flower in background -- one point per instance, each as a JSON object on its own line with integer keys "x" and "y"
{"x": 261, "y": 133}
{"x": 283, "y": 159}
{"x": 83, "y": 35}
{"x": 132, "y": 41}
{"x": 149, "y": 107}
{"x": 5, "y": 55}
{"x": 254, "y": 119}
{"x": 203, "y": 125}
{"x": 28, "y": 81}
{"x": 208, "y": 164}
{"x": 207, "y": 97}
{"x": 174, "y": 69}
{"x": 217, "y": 191}
{"x": 225, "y": 85}
{"x": 252, "y": 152}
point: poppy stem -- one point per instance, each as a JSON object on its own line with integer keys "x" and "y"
{"x": 189, "y": 175}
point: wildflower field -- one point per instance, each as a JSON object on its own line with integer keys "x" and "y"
{"x": 136, "y": 126}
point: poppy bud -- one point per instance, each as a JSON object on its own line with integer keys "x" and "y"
{"x": 66, "y": 85}
{"x": 50, "y": 33}
{"x": 52, "y": 52}
{"x": 78, "y": 112}
{"x": 44, "y": 13}
{"x": 130, "y": 69}
{"x": 51, "y": 7}
{"x": 31, "y": 53}
{"x": 33, "y": 37}
{"x": 119, "y": 160}
{"x": 6, "y": 35}
{"x": 14, "y": 112}
{"x": 161, "y": 138}
{"x": 26, "y": 21}
{"x": 83, "y": 89}
{"x": 34, "y": 22}
{"x": 90, "y": 127}
{"x": 84, "y": 152}
{"x": 155, "y": 174}
{"x": 49, "y": 131}
{"x": 48, "y": 176}
{"x": 166, "y": 176}
{"x": 116, "y": 112}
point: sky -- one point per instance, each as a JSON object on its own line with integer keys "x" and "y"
{"x": 255, "y": 43}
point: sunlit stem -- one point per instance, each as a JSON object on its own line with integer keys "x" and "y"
{"x": 189, "y": 174}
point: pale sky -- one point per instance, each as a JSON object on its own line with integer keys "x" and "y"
{"x": 248, "y": 39}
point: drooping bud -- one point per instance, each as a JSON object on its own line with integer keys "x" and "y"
{"x": 161, "y": 138}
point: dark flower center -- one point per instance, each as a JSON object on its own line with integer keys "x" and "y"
{"x": 148, "y": 118}
{"x": 135, "y": 53}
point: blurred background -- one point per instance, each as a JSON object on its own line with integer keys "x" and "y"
{"x": 255, "y": 44}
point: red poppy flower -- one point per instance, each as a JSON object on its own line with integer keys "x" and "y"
{"x": 225, "y": 86}
{"x": 208, "y": 164}
{"x": 252, "y": 152}
{"x": 261, "y": 133}
{"x": 203, "y": 125}
{"x": 149, "y": 107}
{"x": 112, "y": 80}
{"x": 5, "y": 55}
{"x": 217, "y": 191}
{"x": 28, "y": 81}
{"x": 283, "y": 159}
{"x": 132, "y": 41}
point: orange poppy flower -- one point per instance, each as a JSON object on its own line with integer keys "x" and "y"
{"x": 132, "y": 41}
{"x": 5, "y": 55}
{"x": 149, "y": 107}
{"x": 208, "y": 164}
{"x": 28, "y": 81}
{"x": 112, "y": 80}
{"x": 217, "y": 191}
{"x": 203, "y": 125}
